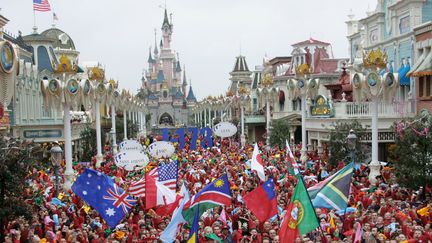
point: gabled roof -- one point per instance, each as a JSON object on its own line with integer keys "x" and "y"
{"x": 160, "y": 76}
{"x": 191, "y": 97}
{"x": 240, "y": 64}
{"x": 311, "y": 41}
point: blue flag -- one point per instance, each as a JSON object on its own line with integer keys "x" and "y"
{"x": 100, "y": 192}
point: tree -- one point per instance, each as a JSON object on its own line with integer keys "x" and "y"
{"x": 279, "y": 132}
{"x": 17, "y": 160}
{"x": 338, "y": 147}
{"x": 413, "y": 151}
{"x": 88, "y": 143}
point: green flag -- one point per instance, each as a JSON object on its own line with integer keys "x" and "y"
{"x": 300, "y": 217}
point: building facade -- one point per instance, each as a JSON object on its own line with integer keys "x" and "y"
{"x": 422, "y": 69}
{"x": 164, "y": 84}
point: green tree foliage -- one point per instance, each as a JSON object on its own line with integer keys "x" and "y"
{"x": 413, "y": 151}
{"x": 17, "y": 159}
{"x": 279, "y": 132}
{"x": 338, "y": 147}
{"x": 88, "y": 143}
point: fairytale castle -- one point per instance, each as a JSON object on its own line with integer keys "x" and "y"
{"x": 165, "y": 88}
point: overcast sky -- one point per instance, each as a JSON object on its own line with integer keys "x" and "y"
{"x": 207, "y": 34}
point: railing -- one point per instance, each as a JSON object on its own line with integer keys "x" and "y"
{"x": 364, "y": 109}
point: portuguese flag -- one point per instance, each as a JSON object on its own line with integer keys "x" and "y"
{"x": 300, "y": 216}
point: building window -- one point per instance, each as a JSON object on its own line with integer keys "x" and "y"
{"x": 425, "y": 86}
{"x": 404, "y": 25}
{"x": 255, "y": 104}
{"x": 296, "y": 104}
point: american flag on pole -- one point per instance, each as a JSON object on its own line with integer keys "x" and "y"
{"x": 166, "y": 174}
{"x": 55, "y": 16}
{"x": 41, "y": 5}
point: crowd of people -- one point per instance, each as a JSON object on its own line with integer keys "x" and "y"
{"x": 385, "y": 211}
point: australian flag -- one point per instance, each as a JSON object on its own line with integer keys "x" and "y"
{"x": 99, "y": 191}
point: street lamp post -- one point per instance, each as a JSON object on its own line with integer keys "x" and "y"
{"x": 369, "y": 84}
{"x": 303, "y": 87}
{"x": 351, "y": 142}
{"x": 56, "y": 158}
{"x": 97, "y": 75}
{"x": 267, "y": 91}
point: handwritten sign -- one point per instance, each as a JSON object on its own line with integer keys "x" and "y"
{"x": 130, "y": 145}
{"x": 225, "y": 129}
{"x": 131, "y": 160}
{"x": 161, "y": 149}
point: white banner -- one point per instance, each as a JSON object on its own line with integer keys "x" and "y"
{"x": 224, "y": 129}
{"x": 161, "y": 149}
{"x": 131, "y": 160}
{"x": 130, "y": 145}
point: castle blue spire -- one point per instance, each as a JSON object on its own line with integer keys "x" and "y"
{"x": 191, "y": 97}
{"x": 150, "y": 58}
{"x": 165, "y": 21}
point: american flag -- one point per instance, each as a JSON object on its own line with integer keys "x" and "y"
{"x": 167, "y": 174}
{"x": 55, "y": 16}
{"x": 41, "y": 5}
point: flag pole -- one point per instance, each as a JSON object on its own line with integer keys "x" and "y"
{"x": 34, "y": 21}
{"x": 300, "y": 177}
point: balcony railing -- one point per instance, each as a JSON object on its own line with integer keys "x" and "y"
{"x": 364, "y": 109}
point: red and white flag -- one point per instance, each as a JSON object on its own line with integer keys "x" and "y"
{"x": 157, "y": 193}
{"x": 165, "y": 174}
{"x": 257, "y": 164}
{"x": 291, "y": 159}
{"x": 41, "y": 5}
{"x": 137, "y": 188}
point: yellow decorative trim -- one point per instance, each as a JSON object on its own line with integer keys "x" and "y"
{"x": 375, "y": 59}
{"x": 96, "y": 73}
{"x": 65, "y": 65}
{"x": 267, "y": 80}
{"x": 303, "y": 69}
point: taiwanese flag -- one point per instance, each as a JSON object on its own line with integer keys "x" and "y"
{"x": 262, "y": 201}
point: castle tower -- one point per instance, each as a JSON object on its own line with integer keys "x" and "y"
{"x": 166, "y": 55}
{"x": 240, "y": 74}
{"x": 184, "y": 85}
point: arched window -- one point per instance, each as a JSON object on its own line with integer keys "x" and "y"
{"x": 44, "y": 61}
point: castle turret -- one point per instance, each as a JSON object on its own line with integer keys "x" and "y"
{"x": 184, "y": 85}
